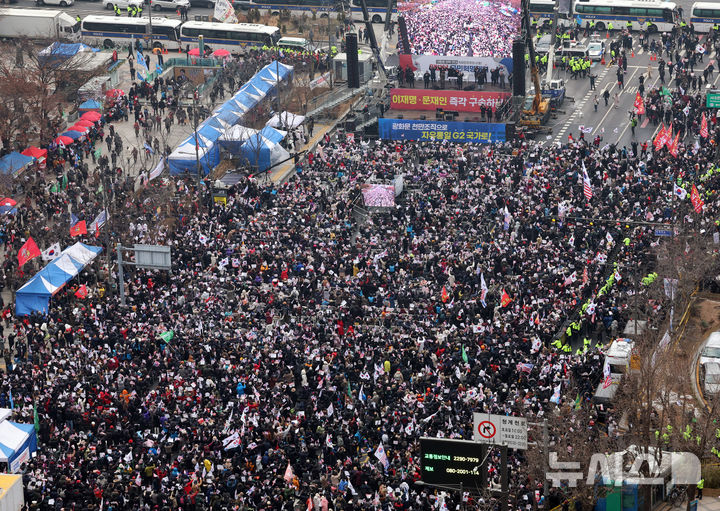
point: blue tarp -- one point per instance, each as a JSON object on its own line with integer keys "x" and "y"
{"x": 73, "y": 134}
{"x": 35, "y": 295}
{"x": 65, "y": 49}
{"x": 14, "y": 163}
{"x": 90, "y": 104}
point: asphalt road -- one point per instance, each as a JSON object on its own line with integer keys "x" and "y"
{"x": 612, "y": 124}
{"x": 83, "y": 8}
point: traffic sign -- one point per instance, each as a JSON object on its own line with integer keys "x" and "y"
{"x": 500, "y": 430}
{"x": 664, "y": 232}
{"x": 712, "y": 100}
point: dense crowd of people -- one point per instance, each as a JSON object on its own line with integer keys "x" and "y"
{"x": 462, "y": 28}
{"x": 302, "y": 338}
{"x": 298, "y": 331}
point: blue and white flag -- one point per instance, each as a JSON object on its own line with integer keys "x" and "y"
{"x": 556, "y": 395}
{"x": 12, "y": 403}
{"x": 483, "y": 290}
{"x": 382, "y": 456}
{"x": 73, "y": 219}
{"x": 362, "y": 396}
{"x": 99, "y": 221}
{"x": 148, "y": 148}
{"x": 141, "y": 61}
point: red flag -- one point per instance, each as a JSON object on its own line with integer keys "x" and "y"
{"x": 697, "y": 202}
{"x": 704, "y": 133}
{"x": 28, "y": 251}
{"x": 505, "y": 299}
{"x": 669, "y": 137}
{"x": 309, "y": 503}
{"x": 97, "y": 229}
{"x": 639, "y": 104}
{"x": 674, "y": 145}
{"x": 82, "y": 292}
{"x": 444, "y": 295}
{"x": 78, "y": 229}
{"x": 659, "y": 138}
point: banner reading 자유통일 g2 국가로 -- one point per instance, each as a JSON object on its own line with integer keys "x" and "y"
{"x": 476, "y": 132}
{"x": 457, "y": 100}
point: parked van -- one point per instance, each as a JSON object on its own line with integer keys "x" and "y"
{"x": 710, "y": 375}
{"x": 294, "y": 43}
{"x": 578, "y": 51}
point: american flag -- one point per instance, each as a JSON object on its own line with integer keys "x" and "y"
{"x": 587, "y": 187}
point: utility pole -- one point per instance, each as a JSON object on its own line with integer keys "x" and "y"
{"x": 546, "y": 455}
{"x": 150, "y": 7}
{"x": 197, "y": 142}
{"x": 504, "y": 501}
{"x": 121, "y": 275}
{"x": 106, "y": 236}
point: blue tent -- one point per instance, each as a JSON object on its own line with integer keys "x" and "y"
{"x": 234, "y": 138}
{"x": 244, "y": 100}
{"x": 17, "y": 444}
{"x": 261, "y": 154}
{"x": 35, "y": 295}
{"x": 90, "y": 104}
{"x": 14, "y": 163}
{"x": 184, "y": 159}
{"x": 228, "y": 114}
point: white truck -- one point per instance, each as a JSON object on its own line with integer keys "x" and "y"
{"x": 38, "y": 24}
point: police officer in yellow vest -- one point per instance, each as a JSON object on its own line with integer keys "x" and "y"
{"x": 610, "y": 27}
{"x": 700, "y": 486}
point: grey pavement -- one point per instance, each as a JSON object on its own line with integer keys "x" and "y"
{"x": 609, "y": 122}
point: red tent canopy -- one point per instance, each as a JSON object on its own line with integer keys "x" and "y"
{"x": 35, "y": 152}
{"x": 7, "y": 202}
{"x": 91, "y": 116}
{"x": 115, "y": 93}
{"x": 84, "y": 122}
{"x": 195, "y": 52}
{"x": 78, "y": 127}
{"x": 62, "y": 139}
{"x": 221, "y": 53}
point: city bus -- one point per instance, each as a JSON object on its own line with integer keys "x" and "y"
{"x": 542, "y": 11}
{"x": 233, "y": 37}
{"x": 109, "y": 31}
{"x": 377, "y": 9}
{"x": 705, "y": 15}
{"x": 662, "y": 16}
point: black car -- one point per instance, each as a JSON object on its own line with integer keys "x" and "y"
{"x": 210, "y": 4}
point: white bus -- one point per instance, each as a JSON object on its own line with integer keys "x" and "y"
{"x": 109, "y": 31}
{"x": 377, "y": 9}
{"x": 705, "y": 15}
{"x": 228, "y": 36}
{"x": 543, "y": 11}
{"x": 662, "y": 16}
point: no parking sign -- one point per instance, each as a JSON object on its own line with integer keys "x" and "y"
{"x": 500, "y": 430}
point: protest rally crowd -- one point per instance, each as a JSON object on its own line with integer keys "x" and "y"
{"x": 301, "y": 345}
{"x": 462, "y": 28}
{"x": 290, "y": 342}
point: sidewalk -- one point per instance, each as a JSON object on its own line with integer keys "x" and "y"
{"x": 709, "y": 503}
{"x": 283, "y": 172}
